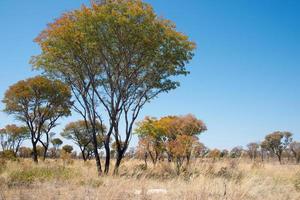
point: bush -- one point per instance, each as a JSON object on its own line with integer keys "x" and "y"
{"x": 2, "y": 165}
{"x": 27, "y": 176}
{"x": 230, "y": 174}
{"x": 8, "y": 155}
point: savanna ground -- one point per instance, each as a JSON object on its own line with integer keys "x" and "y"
{"x": 73, "y": 179}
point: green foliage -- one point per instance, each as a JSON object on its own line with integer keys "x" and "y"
{"x": 277, "y": 142}
{"x": 119, "y": 54}
{"x": 27, "y": 176}
{"x": 67, "y": 148}
{"x": 174, "y": 135}
{"x": 8, "y": 155}
{"x": 50, "y": 98}
{"x": 56, "y": 142}
{"x": 38, "y": 102}
{"x": 12, "y": 136}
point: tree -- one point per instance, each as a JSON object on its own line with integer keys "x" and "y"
{"x": 277, "y": 142}
{"x": 188, "y": 126}
{"x": 120, "y": 54}
{"x": 39, "y": 103}
{"x": 224, "y": 153}
{"x": 25, "y": 152}
{"x": 56, "y": 142}
{"x": 150, "y": 138}
{"x": 215, "y": 154}
{"x": 12, "y": 137}
{"x": 181, "y": 148}
{"x": 67, "y": 148}
{"x": 236, "y": 152}
{"x": 263, "y": 149}
{"x": 45, "y": 144}
{"x": 252, "y": 150}
{"x": 80, "y": 135}
{"x": 175, "y": 135}
{"x": 200, "y": 150}
{"x": 295, "y": 149}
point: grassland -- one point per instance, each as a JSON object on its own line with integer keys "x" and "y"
{"x": 74, "y": 179}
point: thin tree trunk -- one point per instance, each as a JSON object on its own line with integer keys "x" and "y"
{"x": 45, "y": 153}
{"x": 118, "y": 162}
{"x": 279, "y": 158}
{"x": 96, "y": 154}
{"x": 83, "y": 155}
{"x": 34, "y": 153}
{"x": 107, "y": 157}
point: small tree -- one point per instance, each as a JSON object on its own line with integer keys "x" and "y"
{"x": 277, "y": 142}
{"x": 295, "y": 149}
{"x": 67, "y": 148}
{"x": 39, "y": 103}
{"x": 151, "y": 138}
{"x": 224, "y": 153}
{"x": 56, "y": 143}
{"x": 252, "y": 150}
{"x": 12, "y": 137}
{"x": 25, "y": 152}
{"x": 82, "y": 137}
{"x": 236, "y": 152}
{"x": 215, "y": 154}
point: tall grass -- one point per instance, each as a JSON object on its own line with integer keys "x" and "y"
{"x": 229, "y": 179}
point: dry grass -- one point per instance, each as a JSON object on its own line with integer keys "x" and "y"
{"x": 202, "y": 180}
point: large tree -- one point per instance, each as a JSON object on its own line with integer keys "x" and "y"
{"x": 119, "y": 54}
{"x": 39, "y": 103}
{"x": 12, "y": 136}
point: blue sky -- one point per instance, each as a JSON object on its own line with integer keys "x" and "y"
{"x": 245, "y": 75}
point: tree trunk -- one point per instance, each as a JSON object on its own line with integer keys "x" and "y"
{"x": 83, "y": 155}
{"x": 96, "y": 154}
{"x": 45, "y": 153}
{"x": 279, "y": 158}
{"x": 188, "y": 158}
{"x": 107, "y": 157}
{"x": 45, "y": 150}
{"x": 34, "y": 153}
{"x": 118, "y": 162}
{"x": 145, "y": 160}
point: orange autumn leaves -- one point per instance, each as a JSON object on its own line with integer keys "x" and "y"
{"x": 171, "y": 136}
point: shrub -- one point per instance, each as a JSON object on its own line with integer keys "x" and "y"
{"x": 66, "y": 157}
{"x": 27, "y": 176}
{"x": 2, "y": 165}
{"x": 230, "y": 174}
{"x": 8, "y": 154}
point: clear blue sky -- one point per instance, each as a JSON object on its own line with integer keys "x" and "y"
{"x": 245, "y": 75}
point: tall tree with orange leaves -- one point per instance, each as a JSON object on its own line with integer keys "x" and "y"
{"x": 116, "y": 56}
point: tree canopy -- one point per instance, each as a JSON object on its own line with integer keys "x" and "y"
{"x": 12, "y": 136}
{"x": 38, "y": 102}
